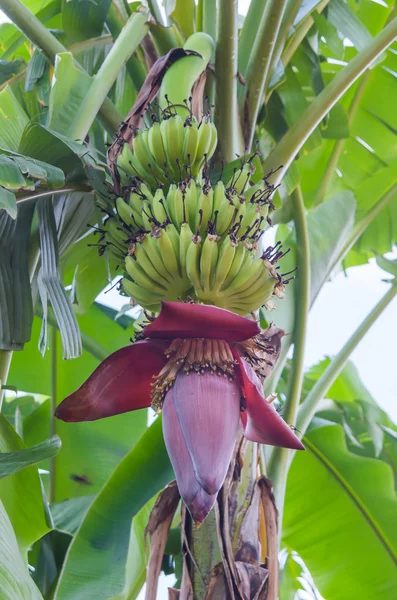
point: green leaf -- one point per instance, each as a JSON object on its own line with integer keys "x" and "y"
{"x": 68, "y": 515}
{"x": 14, "y": 120}
{"x": 9, "y": 68}
{"x": 36, "y": 69}
{"x": 329, "y": 226}
{"x": 83, "y": 20}
{"x": 138, "y": 554}
{"x": 8, "y": 202}
{"x": 344, "y": 19}
{"x": 90, "y": 451}
{"x": 390, "y": 266}
{"x": 11, "y": 462}
{"x": 351, "y": 501}
{"x": 27, "y": 518}
{"x": 68, "y": 92}
{"x": 182, "y": 14}
{"x": 50, "y": 287}
{"x": 95, "y": 562}
{"x": 15, "y": 581}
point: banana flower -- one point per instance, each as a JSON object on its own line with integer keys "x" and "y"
{"x": 201, "y": 365}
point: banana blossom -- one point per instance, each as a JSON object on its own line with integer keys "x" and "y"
{"x": 200, "y": 365}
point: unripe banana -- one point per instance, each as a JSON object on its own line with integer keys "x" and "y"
{"x": 117, "y": 234}
{"x": 146, "y": 264}
{"x": 179, "y": 79}
{"x": 185, "y": 238}
{"x": 205, "y": 206}
{"x": 125, "y": 213}
{"x": 191, "y": 204}
{"x": 144, "y": 298}
{"x": 156, "y": 146}
{"x": 226, "y": 256}
{"x": 240, "y": 255}
{"x": 203, "y": 146}
{"x": 170, "y": 258}
{"x": 149, "y": 243}
{"x": 158, "y": 205}
{"x": 223, "y": 209}
{"x": 173, "y": 134}
{"x": 245, "y": 278}
{"x": 145, "y": 157}
{"x": 208, "y": 260}
{"x": 175, "y": 205}
{"x": 193, "y": 262}
{"x": 190, "y": 142}
{"x": 141, "y": 278}
{"x": 240, "y": 178}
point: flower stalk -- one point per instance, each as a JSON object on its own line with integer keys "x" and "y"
{"x": 279, "y": 462}
{"x": 226, "y": 114}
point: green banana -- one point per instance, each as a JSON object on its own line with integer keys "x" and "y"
{"x": 173, "y": 134}
{"x": 148, "y": 267}
{"x": 204, "y": 209}
{"x": 170, "y": 258}
{"x": 144, "y": 298}
{"x": 124, "y": 211}
{"x": 156, "y": 146}
{"x": 227, "y": 252}
{"x": 190, "y": 142}
{"x": 141, "y": 278}
{"x": 203, "y": 146}
{"x": 208, "y": 260}
{"x": 179, "y": 79}
{"x": 185, "y": 238}
{"x": 193, "y": 262}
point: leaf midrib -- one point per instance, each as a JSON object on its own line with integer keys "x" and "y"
{"x": 353, "y": 496}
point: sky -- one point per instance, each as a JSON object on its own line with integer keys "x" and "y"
{"x": 340, "y": 307}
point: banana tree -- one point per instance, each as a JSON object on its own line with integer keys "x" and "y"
{"x": 218, "y": 169}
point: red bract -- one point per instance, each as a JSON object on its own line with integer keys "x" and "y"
{"x": 206, "y": 383}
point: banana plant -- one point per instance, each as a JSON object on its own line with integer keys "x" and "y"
{"x": 218, "y": 168}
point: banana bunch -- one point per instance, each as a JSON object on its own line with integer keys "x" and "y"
{"x": 196, "y": 240}
{"x": 225, "y": 272}
{"x": 169, "y": 151}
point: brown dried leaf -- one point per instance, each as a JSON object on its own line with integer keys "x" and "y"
{"x": 248, "y": 544}
{"x": 197, "y": 95}
{"x": 158, "y": 528}
{"x": 253, "y": 579}
{"x": 148, "y": 92}
{"x": 271, "y": 523}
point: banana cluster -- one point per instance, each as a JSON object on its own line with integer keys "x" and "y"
{"x": 170, "y": 150}
{"x": 195, "y": 241}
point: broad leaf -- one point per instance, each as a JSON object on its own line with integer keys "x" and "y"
{"x": 351, "y": 501}
{"x": 90, "y": 451}
{"x": 95, "y": 563}
{"x": 15, "y": 581}
{"x": 67, "y": 95}
{"x": 14, "y": 120}
{"x": 11, "y": 462}
{"x": 28, "y": 518}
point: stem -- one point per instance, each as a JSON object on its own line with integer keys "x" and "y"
{"x": 248, "y": 35}
{"x": 30, "y": 25}
{"x": 308, "y": 407}
{"x": 135, "y": 68}
{"x": 338, "y": 146}
{"x": 155, "y": 10}
{"x": 258, "y": 70}
{"x": 226, "y": 115}
{"x": 70, "y": 188}
{"x": 53, "y": 404}
{"x": 296, "y": 136}
{"x": 5, "y": 362}
{"x": 280, "y": 457}
{"x": 130, "y": 37}
{"x": 362, "y": 225}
